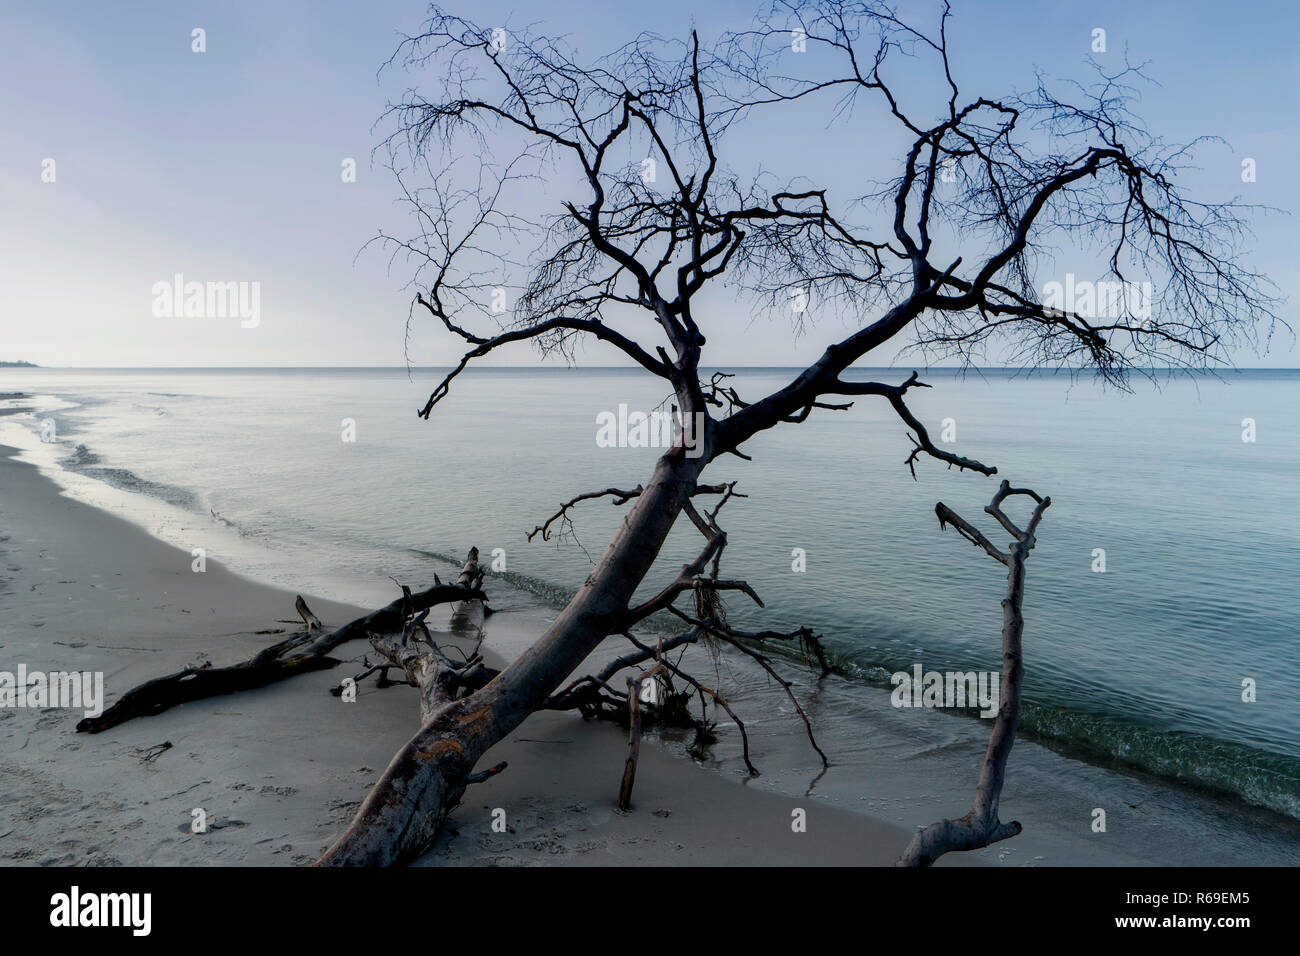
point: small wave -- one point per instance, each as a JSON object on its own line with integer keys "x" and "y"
{"x": 83, "y": 461}
{"x": 1257, "y": 777}
{"x": 81, "y": 457}
{"x": 1260, "y": 778}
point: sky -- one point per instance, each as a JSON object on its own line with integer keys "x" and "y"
{"x": 226, "y": 165}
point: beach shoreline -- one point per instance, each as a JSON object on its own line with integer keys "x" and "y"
{"x": 279, "y": 771}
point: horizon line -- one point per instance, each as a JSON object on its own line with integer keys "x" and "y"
{"x": 572, "y": 368}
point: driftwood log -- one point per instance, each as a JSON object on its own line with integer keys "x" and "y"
{"x": 981, "y": 825}
{"x": 300, "y": 654}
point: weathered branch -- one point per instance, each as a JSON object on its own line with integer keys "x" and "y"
{"x": 922, "y": 442}
{"x": 725, "y": 633}
{"x": 703, "y": 690}
{"x": 981, "y": 825}
{"x": 620, "y": 497}
{"x": 634, "y": 685}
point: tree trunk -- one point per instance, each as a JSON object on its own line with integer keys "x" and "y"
{"x": 427, "y": 778}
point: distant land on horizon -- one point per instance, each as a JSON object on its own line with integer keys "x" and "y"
{"x": 19, "y": 364}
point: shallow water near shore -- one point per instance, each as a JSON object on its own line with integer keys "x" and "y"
{"x": 1138, "y": 667}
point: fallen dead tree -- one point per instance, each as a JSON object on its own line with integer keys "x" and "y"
{"x": 1003, "y": 181}
{"x": 654, "y": 255}
{"x": 981, "y": 825}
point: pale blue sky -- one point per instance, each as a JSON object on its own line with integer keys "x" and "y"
{"x": 225, "y": 165}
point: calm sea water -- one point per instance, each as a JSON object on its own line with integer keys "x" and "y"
{"x": 1142, "y": 664}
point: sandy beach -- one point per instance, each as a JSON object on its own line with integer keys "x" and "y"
{"x": 279, "y": 771}
{"x": 812, "y": 435}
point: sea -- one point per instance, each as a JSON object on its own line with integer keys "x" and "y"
{"x": 1161, "y": 634}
